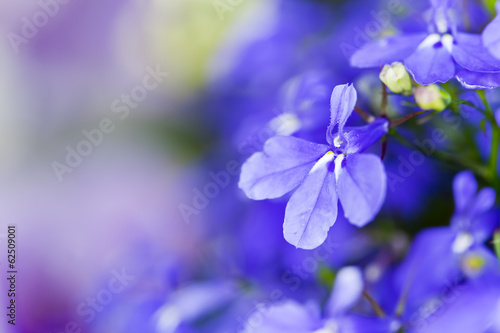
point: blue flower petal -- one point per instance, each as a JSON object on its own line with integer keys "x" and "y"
{"x": 387, "y": 50}
{"x": 470, "y": 208}
{"x": 288, "y": 317}
{"x": 431, "y": 63}
{"x": 361, "y": 186}
{"x": 342, "y": 104}
{"x": 484, "y": 225}
{"x": 430, "y": 264}
{"x": 491, "y": 37}
{"x": 195, "y": 301}
{"x": 464, "y": 190}
{"x": 312, "y": 209}
{"x": 281, "y": 167}
{"x": 483, "y": 202}
{"x": 470, "y": 53}
{"x": 468, "y": 309}
{"x": 354, "y": 323}
{"x": 441, "y": 3}
{"x": 476, "y": 80}
{"x": 363, "y": 137}
{"x": 346, "y": 292}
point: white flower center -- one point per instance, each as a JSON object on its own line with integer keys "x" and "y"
{"x": 328, "y": 157}
{"x": 169, "y": 318}
{"x": 337, "y": 142}
{"x": 442, "y": 25}
{"x": 338, "y": 165}
{"x": 462, "y": 242}
{"x": 395, "y": 325}
{"x": 431, "y": 40}
{"x": 447, "y": 41}
{"x": 330, "y": 327}
{"x": 285, "y": 124}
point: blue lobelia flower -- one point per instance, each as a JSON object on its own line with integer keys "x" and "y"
{"x": 294, "y": 317}
{"x": 437, "y": 55}
{"x": 323, "y": 174}
{"x": 474, "y": 220}
{"x": 491, "y": 34}
{"x": 446, "y": 253}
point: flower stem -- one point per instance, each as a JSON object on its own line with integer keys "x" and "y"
{"x": 402, "y": 120}
{"x": 376, "y": 307}
{"x": 448, "y": 158}
{"x": 383, "y": 109}
{"x": 495, "y": 140}
{"x": 363, "y": 114}
{"x": 496, "y": 243}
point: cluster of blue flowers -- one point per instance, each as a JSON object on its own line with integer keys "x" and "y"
{"x": 402, "y": 141}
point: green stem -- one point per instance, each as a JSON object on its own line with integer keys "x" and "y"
{"x": 450, "y": 159}
{"x": 495, "y": 139}
{"x": 363, "y": 114}
{"x": 496, "y": 243}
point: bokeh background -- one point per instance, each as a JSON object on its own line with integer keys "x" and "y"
{"x": 238, "y": 72}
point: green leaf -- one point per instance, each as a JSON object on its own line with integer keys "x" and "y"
{"x": 469, "y": 103}
{"x": 326, "y": 276}
{"x": 490, "y": 5}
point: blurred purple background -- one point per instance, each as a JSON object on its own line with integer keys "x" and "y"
{"x": 166, "y": 94}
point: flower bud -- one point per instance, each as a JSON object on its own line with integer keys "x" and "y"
{"x": 432, "y": 98}
{"x": 396, "y": 78}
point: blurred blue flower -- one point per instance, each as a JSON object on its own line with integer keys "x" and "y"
{"x": 491, "y": 36}
{"x": 438, "y": 55}
{"x": 291, "y": 316}
{"x": 446, "y": 255}
{"x": 192, "y": 303}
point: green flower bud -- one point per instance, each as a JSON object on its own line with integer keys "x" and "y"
{"x": 432, "y": 98}
{"x": 396, "y": 78}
